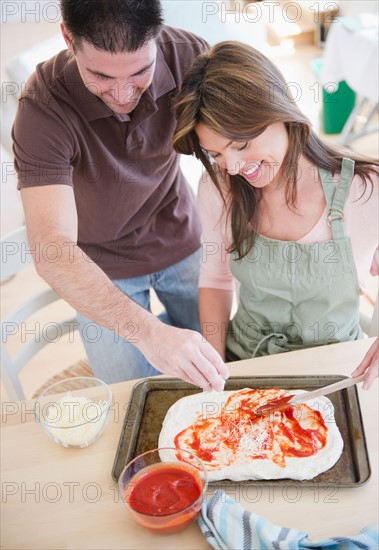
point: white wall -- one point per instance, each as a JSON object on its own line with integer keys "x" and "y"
{"x": 349, "y": 8}
{"x": 30, "y": 11}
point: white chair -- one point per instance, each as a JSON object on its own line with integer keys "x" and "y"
{"x": 14, "y": 258}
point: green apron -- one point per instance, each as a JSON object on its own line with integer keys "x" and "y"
{"x": 294, "y": 295}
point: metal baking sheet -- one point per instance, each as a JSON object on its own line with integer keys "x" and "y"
{"x": 151, "y": 398}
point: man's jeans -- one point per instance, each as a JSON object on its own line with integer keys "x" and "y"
{"x": 114, "y": 359}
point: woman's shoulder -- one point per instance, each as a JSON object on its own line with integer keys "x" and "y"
{"x": 208, "y": 190}
{"x": 364, "y": 188}
{"x": 361, "y": 207}
{"x": 212, "y": 205}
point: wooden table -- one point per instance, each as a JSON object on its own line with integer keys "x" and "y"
{"x": 65, "y": 498}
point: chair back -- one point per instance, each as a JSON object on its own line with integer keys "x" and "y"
{"x": 14, "y": 257}
{"x": 15, "y": 254}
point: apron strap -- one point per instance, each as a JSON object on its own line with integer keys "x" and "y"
{"x": 336, "y": 196}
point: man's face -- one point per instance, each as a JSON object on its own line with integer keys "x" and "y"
{"x": 118, "y": 79}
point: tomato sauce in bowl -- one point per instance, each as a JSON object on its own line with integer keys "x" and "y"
{"x": 163, "y": 496}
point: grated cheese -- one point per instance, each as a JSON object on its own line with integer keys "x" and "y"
{"x": 243, "y": 447}
{"x": 253, "y": 444}
{"x": 75, "y": 420}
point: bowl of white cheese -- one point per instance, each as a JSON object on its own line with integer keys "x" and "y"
{"x": 74, "y": 411}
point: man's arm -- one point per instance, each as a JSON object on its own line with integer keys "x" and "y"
{"x": 51, "y": 217}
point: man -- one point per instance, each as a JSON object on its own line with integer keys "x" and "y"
{"x": 99, "y": 180}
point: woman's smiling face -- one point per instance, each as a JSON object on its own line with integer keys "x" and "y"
{"x": 257, "y": 160}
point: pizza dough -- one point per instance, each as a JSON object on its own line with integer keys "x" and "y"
{"x": 221, "y": 428}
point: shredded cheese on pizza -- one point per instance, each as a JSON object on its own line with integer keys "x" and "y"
{"x": 233, "y": 441}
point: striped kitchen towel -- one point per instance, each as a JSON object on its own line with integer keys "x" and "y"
{"x": 228, "y": 526}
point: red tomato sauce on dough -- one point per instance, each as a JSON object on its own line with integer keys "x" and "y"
{"x": 165, "y": 489}
{"x": 277, "y": 437}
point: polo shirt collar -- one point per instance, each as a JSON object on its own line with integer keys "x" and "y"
{"x": 163, "y": 81}
{"x": 94, "y": 108}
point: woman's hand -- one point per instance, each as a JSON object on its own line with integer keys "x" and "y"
{"x": 369, "y": 365}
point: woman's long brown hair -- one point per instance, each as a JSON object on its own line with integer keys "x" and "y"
{"x": 237, "y": 92}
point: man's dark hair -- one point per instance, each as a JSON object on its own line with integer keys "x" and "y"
{"x": 112, "y": 25}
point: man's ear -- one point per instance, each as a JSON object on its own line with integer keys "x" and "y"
{"x": 67, "y": 38}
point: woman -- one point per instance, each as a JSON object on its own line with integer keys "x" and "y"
{"x": 287, "y": 216}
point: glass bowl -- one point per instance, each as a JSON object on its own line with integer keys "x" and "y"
{"x": 74, "y": 411}
{"x": 162, "y": 492}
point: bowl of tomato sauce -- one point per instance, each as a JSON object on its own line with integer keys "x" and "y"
{"x": 163, "y": 489}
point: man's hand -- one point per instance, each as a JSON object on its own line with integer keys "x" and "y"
{"x": 184, "y": 354}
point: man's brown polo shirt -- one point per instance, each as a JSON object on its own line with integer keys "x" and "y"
{"x": 136, "y": 212}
